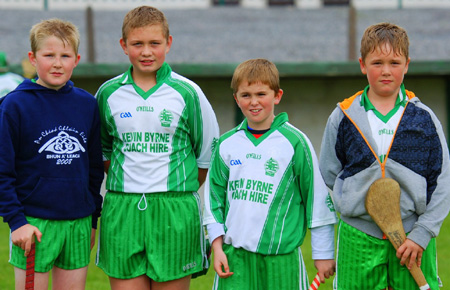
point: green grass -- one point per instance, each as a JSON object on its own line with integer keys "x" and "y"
{"x": 97, "y": 280}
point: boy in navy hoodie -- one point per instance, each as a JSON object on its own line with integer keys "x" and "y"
{"x": 51, "y": 167}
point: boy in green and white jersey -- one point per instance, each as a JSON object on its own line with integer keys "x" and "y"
{"x": 157, "y": 133}
{"x": 263, "y": 194}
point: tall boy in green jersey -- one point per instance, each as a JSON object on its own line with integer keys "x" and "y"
{"x": 385, "y": 131}
{"x": 263, "y": 194}
{"x": 158, "y": 130}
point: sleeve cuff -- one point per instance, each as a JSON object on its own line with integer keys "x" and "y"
{"x": 215, "y": 230}
{"x": 322, "y": 242}
{"x": 420, "y": 236}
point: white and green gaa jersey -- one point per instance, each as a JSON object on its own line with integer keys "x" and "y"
{"x": 155, "y": 140}
{"x": 384, "y": 126}
{"x": 266, "y": 191}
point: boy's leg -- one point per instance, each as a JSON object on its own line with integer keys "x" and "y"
{"x": 69, "y": 279}
{"x": 245, "y": 267}
{"x": 174, "y": 238}
{"x": 179, "y": 284}
{"x": 141, "y": 282}
{"x": 64, "y": 244}
{"x": 285, "y": 271}
{"x": 361, "y": 260}
{"x": 254, "y": 271}
{"x": 121, "y": 251}
{"x": 40, "y": 280}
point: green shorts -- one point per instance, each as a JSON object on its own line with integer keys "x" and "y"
{"x": 65, "y": 244}
{"x": 157, "y": 234}
{"x": 365, "y": 262}
{"x": 254, "y": 271}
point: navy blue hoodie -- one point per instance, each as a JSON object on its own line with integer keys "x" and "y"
{"x": 50, "y": 154}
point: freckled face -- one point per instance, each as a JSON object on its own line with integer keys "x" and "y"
{"x": 257, "y": 102}
{"x": 146, "y": 48}
{"x": 54, "y": 62}
{"x": 385, "y": 71}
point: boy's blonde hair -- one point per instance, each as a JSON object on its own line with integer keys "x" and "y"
{"x": 256, "y": 71}
{"x": 143, "y": 16}
{"x": 64, "y": 30}
{"x": 385, "y": 33}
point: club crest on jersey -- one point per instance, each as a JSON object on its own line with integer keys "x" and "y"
{"x": 214, "y": 144}
{"x": 330, "y": 203}
{"x": 271, "y": 166}
{"x": 165, "y": 117}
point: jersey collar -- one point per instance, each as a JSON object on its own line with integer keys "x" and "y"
{"x": 401, "y": 101}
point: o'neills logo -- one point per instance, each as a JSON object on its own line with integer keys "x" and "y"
{"x": 144, "y": 109}
{"x": 253, "y": 156}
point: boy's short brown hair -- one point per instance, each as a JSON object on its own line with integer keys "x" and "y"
{"x": 255, "y": 71}
{"x": 385, "y": 33}
{"x": 143, "y": 16}
{"x": 64, "y": 30}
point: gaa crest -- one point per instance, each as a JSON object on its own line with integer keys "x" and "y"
{"x": 271, "y": 166}
{"x": 165, "y": 117}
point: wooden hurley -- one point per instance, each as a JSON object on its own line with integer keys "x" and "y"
{"x": 383, "y": 205}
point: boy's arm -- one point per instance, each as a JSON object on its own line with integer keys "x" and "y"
{"x": 215, "y": 190}
{"x": 320, "y": 213}
{"x": 106, "y": 165}
{"x": 105, "y": 137}
{"x": 204, "y": 129}
{"x": 329, "y": 164}
{"x": 322, "y": 244}
{"x": 93, "y": 238}
{"x": 411, "y": 250}
{"x": 429, "y": 223}
{"x": 11, "y": 208}
{"x": 96, "y": 173}
{"x": 220, "y": 259}
{"x": 320, "y": 210}
{"x": 23, "y": 237}
{"x": 202, "y": 173}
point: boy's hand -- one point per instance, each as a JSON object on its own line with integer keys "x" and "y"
{"x": 220, "y": 259}
{"x": 411, "y": 250}
{"x": 23, "y": 237}
{"x": 325, "y": 268}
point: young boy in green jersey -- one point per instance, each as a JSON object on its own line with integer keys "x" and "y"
{"x": 157, "y": 133}
{"x": 8, "y": 80}
{"x": 51, "y": 166}
{"x": 262, "y": 195}
{"x": 385, "y": 131}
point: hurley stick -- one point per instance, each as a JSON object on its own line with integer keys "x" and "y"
{"x": 315, "y": 283}
{"x": 29, "y": 275}
{"x": 383, "y": 205}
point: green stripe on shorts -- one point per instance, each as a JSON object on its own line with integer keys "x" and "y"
{"x": 156, "y": 234}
